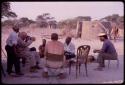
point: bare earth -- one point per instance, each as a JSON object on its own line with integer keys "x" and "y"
{"x": 111, "y": 75}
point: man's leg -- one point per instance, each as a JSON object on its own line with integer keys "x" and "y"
{"x": 17, "y": 65}
{"x": 100, "y": 60}
{"x": 45, "y": 72}
{"x": 105, "y": 56}
{"x": 9, "y": 59}
{"x": 32, "y": 61}
{"x": 23, "y": 62}
{"x": 37, "y": 57}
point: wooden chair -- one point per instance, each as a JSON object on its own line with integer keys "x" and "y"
{"x": 54, "y": 58}
{"x": 81, "y": 58}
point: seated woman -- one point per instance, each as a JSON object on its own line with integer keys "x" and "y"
{"x": 42, "y": 49}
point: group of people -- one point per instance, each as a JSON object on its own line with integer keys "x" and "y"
{"x": 17, "y": 48}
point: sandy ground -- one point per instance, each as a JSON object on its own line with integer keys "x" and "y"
{"x": 108, "y": 75}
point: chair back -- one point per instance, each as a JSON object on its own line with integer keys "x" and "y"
{"x": 56, "y": 60}
{"x": 82, "y": 53}
{"x": 54, "y": 57}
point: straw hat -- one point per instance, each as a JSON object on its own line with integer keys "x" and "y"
{"x": 101, "y": 34}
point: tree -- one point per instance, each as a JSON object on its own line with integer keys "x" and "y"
{"x": 6, "y": 10}
{"x": 7, "y": 23}
{"x": 53, "y": 24}
{"x": 24, "y": 21}
{"x": 68, "y": 23}
{"x": 86, "y": 18}
{"x": 45, "y": 20}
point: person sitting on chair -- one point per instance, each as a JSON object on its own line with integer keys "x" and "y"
{"x": 107, "y": 52}
{"x": 42, "y": 49}
{"x": 54, "y": 47}
{"x": 69, "y": 49}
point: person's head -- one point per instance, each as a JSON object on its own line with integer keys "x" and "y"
{"x": 68, "y": 40}
{"x": 54, "y": 36}
{"x": 23, "y": 35}
{"x": 103, "y": 36}
{"x": 44, "y": 41}
{"x": 16, "y": 28}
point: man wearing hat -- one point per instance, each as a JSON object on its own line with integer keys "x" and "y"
{"x": 12, "y": 58}
{"x": 107, "y": 51}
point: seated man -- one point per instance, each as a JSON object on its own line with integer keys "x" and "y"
{"x": 69, "y": 48}
{"x": 23, "y": 51}
{"x": 42, "y": 49}
{"x": 107, "y": 51}
{"x": 55, "y": 47}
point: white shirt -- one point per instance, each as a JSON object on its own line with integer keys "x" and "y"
{"x": 12, "y": 39}
{"x": 69, "y": 48}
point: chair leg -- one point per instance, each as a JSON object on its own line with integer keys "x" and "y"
{"x": 108, "y": 63}
{"x": 79, "y": 68}
{"x": 69, "y": 68}
{"x": 86, "y": 69}
{"x": 76, "y": 70}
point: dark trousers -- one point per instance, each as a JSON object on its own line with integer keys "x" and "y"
{"x": 69, "y": 55}
{"x": 12, "y": 59}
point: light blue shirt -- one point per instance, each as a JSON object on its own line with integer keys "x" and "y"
{"x": 12, "y": 39}
{"x": 69, "y": 48}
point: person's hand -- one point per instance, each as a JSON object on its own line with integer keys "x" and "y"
{"x": 33, "y": 38}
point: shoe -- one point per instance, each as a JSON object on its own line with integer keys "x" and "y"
{"x": 45, "y": 74}
{"x": 62, "y": 76}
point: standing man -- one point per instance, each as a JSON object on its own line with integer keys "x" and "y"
{"x": 107, "y": 51}
{"x": 12, "y": 58}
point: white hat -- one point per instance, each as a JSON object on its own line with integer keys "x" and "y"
{"x": 101, "y": 34}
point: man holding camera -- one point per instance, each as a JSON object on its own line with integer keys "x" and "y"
{"x": 23, "y": 51}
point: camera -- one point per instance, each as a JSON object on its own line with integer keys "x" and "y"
{"x": 28, "y": 38}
